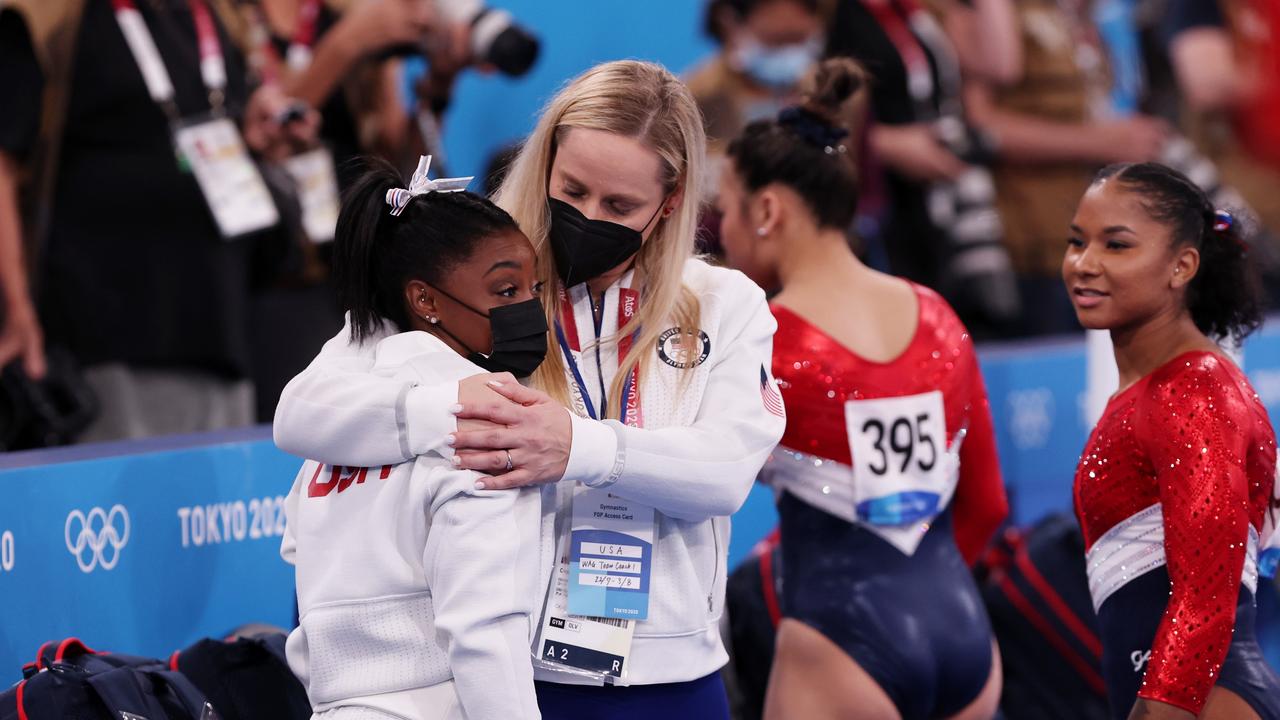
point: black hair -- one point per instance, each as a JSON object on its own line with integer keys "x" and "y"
{"x": 808, "y": 148}
{"x": 375, "y": 254}
{"x": 742, "y": 8}
{"x": 1225, "y": 296}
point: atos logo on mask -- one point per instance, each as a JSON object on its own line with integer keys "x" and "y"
{"x": 97, "y": 538}
{"x": 683, "y": 350}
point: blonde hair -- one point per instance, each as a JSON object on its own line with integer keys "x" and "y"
{"x": 638, "y": 100}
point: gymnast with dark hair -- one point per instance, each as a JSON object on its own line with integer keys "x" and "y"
{"x": 887, "y": 476}
{"x": 1175, "y": 489}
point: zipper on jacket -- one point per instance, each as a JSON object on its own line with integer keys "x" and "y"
{"x": 598, "y": 317}
{"x": 715, "y": 568}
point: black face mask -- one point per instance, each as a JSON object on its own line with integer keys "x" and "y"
{"x": 584, "y": 248}
{"x": 519, "y": 337}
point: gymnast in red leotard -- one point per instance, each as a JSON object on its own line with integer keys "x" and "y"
{"x": 887, "y": 477}
{"x": 1175, "y": 488}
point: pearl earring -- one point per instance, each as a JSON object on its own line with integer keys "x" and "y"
{"x": 761, "y": 232}
{"x": 433, "y": 320}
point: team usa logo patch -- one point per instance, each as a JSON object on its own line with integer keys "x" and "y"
{"x": 681, "y": 349}
{"x": 770, "y": 395}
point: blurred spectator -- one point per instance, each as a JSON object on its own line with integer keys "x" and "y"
{"x": 1226, "y": 58}
{"x": 985, "y": 34}
{"x": 339, "y": 57}
{"x": 1050, "y": 123}
{"x": 938, "y": 225}
{"x": 765, "y": 46}
{"x": 1259, "y": 39}
{"x": 145, "y": 260}
{"x": 1133, "y": 33}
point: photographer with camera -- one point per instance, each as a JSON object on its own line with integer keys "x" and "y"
{"x": 333, "y": 56}
{"x": 346, "y": 58}
{"x": 488, "y": 39}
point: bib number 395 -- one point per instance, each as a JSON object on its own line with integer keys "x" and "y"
{"x": 897, "y": 445}
{"x": 903, "y": 436}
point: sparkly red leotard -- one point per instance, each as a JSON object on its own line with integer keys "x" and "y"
{"x": 911, "y": 618}
{"x": 1171, "y": 493}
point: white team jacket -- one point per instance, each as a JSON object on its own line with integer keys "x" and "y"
{"x": 694, "y": 460}
{"x": 407, "y": 576}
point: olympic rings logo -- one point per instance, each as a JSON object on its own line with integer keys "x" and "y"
{"x": 103, "y": 534}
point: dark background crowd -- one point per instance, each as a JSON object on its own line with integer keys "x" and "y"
{"x": 128, "y": 311}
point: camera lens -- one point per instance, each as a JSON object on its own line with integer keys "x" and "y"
{"x": 498, "y": 40}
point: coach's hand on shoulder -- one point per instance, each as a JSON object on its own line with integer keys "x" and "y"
{"x": 526, "y": 441}
{"x": 476, "y": 391}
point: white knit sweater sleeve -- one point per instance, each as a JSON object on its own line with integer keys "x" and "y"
{"x": 481, "y": 562}
{"x": 339, "y": 412}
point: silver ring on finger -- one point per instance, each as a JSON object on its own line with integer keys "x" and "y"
{"x": 510, "y": 465}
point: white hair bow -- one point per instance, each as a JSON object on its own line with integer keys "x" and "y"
{"x": 398, "y": 198}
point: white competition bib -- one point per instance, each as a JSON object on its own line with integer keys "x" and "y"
{"x": 317, "y": 192}
{"x": 903, "y": 471}
{"x": 228, "y": 179}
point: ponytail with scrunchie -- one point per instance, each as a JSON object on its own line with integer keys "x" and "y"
{"x": 804, "y": 147}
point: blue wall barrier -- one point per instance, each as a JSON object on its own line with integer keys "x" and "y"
{"x": 142, "y": 547}
{"x": 146, "y": 547}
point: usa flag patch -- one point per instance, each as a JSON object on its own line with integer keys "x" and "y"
{"x": 769, "y": 394}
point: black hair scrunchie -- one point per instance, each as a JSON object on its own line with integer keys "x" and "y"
{"x": 811, "y": 127}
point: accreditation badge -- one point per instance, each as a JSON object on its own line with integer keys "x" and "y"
{"x": 233, "y": 188}
{"x": 593, "y": 647}
{"x": 317, "y": 184}
{"x": 610, "y": 556}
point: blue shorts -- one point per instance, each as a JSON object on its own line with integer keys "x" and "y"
{"x": 703, "y": 699}
{"x": 916, "y": 624}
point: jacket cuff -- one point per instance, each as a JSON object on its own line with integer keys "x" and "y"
{"x": 423, "y": 419}
{"x": 597, "y": 455}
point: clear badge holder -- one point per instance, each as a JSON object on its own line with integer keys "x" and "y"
{"x": 317, "y": 184}
{"x": 232, "y": 186}
{"x": 594, "y": 648}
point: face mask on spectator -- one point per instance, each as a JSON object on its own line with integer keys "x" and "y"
{"x": 777, "y": 68}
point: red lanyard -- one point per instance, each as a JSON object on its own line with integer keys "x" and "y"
{"x": 213, "y": 68}
{"x": 299, "y": 53}
{"x": 567, "y": 330}
{"x": 893, "y": 17}
{"x": 628, "y": 306}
